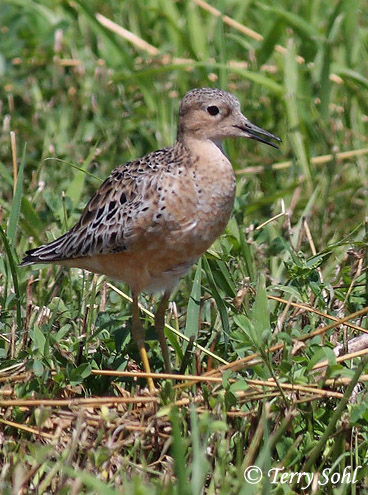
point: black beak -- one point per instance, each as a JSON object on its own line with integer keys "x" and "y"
{"x": 253, "y": 132}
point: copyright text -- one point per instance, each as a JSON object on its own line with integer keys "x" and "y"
{"x": 254, "y": 475}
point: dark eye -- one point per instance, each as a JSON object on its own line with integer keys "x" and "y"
{"x": 213, "y": 110}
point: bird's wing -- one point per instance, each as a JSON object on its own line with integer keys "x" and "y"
{"x": 124, "y": 208}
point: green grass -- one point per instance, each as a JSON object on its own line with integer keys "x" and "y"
{"x": 82, "y": 100}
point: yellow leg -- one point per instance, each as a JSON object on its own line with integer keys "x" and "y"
{"x": 160, "y": 325}
{"x": 138, "y": 336}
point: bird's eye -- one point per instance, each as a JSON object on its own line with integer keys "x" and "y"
{"x": 213, "y": 110}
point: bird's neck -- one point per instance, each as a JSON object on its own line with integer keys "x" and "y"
{"x": 195, "y": 145}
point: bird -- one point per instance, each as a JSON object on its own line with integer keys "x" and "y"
{"x": 154, "y": 216}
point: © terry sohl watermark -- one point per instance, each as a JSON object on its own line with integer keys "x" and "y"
{"x": 254, "y": 474}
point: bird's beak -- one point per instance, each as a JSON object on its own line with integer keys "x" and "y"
{"x": 252, "y": 131}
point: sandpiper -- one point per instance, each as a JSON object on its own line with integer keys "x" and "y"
{"x": 153, "y": 217}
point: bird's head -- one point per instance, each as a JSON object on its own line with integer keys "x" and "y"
{"x": 214, "y": 114}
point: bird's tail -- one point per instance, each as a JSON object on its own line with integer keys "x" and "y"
{"x": 47, "y": 253}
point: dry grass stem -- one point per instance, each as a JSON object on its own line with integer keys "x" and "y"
{"x": 240, "y": 27}
{"x": 316, "y": 160}
{"x": 276, "y": 217}
{"x": 128, "y": 35}
{"x": 29, "y": 429}
{"x": 318, "y": 312}
{"x": 80, "y": 402}
{"x": 296, "y": 388}
{"x": 157, "y": 376}
{"x": 353, "y": 345}
{"x": 341, "y": 359}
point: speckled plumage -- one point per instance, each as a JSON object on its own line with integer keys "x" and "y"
{"x": 154, "y": 217}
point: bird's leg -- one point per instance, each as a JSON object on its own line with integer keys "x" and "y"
{"x": 160, "y": 325}
{"x": 138, "y": 337}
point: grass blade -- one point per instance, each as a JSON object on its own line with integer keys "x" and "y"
{"x": 267, "y": 47}
{"x": 17, "y": 201}
{"x": 305, "y": 29}
{"x": 194, "y": 304}
{"x": 260, "y": 315}
{"x": 293, "y": 111}
{"x": 178, "y": 453}
{"x": 13, "y": 270}
{"x": 113, "y": 50}
{"x": 215, "y": 294}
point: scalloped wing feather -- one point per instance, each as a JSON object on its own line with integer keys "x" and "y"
{"x": 121, "y": 212}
